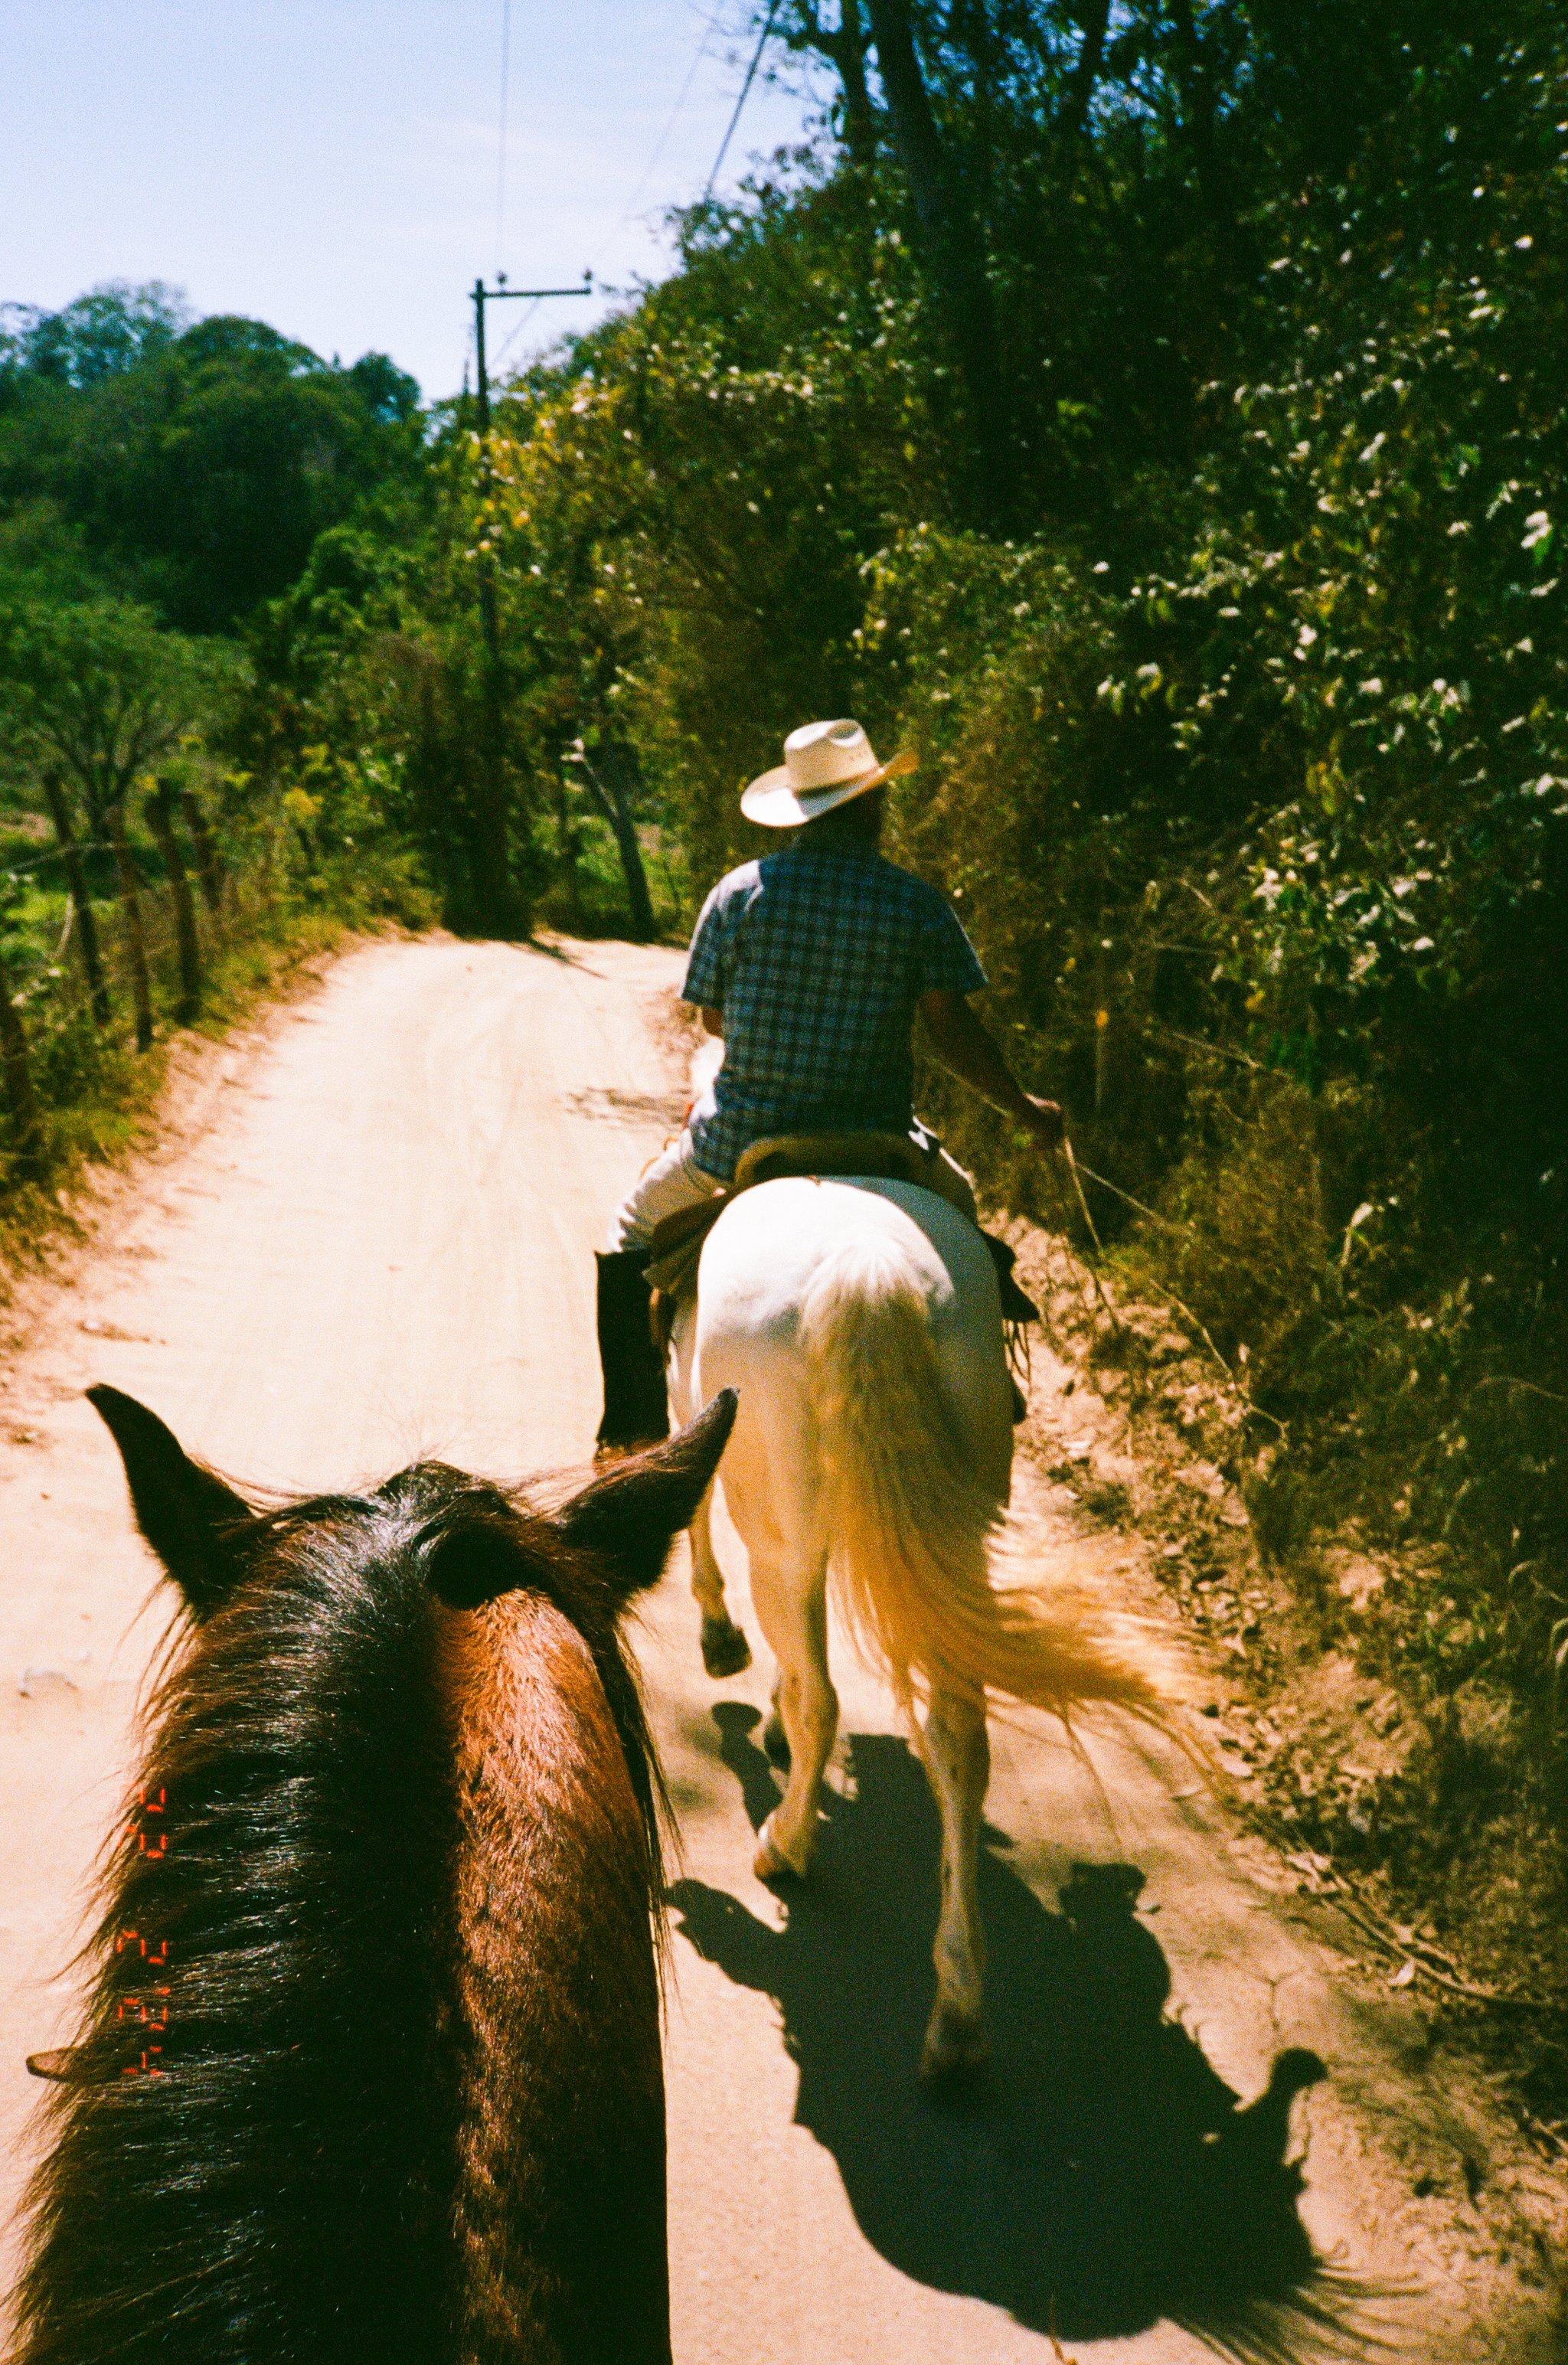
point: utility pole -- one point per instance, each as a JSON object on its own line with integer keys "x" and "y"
{"x": 492, "y": 886}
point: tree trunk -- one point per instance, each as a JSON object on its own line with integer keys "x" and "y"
{"x": 18, "y": 1082}
{"x": 492, "y": 882}
{"x": 847, "y": 47}
{"x": 614, "y": 802}
{"x": 566, "y": 845}
{"x": 135, "y": 938}
{"x": 209, "y": 862}
{"x": 1086, "y": 73}
{"x": 1198, "y": 100}
{"x": 86, "y": 918}
{"x": 161, "y": 820}
{"x": 859, "y": 122}
{"x": 954, "y": 256}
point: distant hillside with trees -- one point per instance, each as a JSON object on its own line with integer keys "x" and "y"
{"x": 162, "y": 482}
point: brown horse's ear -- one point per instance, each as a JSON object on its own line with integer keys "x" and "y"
{"x": 192, "y": 1521}
{"x": 632, "y": 1515}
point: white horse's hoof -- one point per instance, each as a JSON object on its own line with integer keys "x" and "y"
{"x": 725, "y": 1651}
{"x": 955, "y": 2045}
{"x": 770, "y": 1863}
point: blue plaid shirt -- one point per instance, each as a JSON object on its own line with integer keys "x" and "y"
{"x": 817, "y": 957}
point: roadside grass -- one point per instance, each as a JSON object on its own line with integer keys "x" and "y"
{"x": 1396, "y": 1426}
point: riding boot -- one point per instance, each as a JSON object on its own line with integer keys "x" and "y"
{"x": 636, "y": 1408}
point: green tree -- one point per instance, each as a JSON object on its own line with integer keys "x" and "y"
{"x": 113, "y": 328}
{"x": 99, "y": 692}
{"x": 196, "y": 464}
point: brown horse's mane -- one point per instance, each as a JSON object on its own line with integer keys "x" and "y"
{"x": 256, "y": 2156}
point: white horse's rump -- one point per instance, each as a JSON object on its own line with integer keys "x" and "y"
{"x": 859, "y": 1322}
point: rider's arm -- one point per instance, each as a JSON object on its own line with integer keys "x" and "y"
{"x": 964, "y": 1046}
{"x": 713, "y": 1023}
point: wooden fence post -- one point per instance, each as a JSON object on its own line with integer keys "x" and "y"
{"x": 86, "y": 918}
{"x": 134, "y": 939}
{"x": 161, "y": 820}
{"x": 209, "y": 862}
{"x": 18, "y": 1078}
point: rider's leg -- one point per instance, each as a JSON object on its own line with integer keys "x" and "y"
{"x": 957, "y": 1764}
{"x": 945, "y": 1175}
{"x": 949, "y": 1182}
{"x": 792, "y": 1607}
{"x": 725, "y": 1651}
{"x": 636, "y": 1411}
{"x": 668, "y": 1185}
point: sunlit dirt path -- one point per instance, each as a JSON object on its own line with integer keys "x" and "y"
{"x": 382, "y": 1245}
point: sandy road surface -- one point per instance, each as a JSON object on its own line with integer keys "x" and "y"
{"x": 382, "y": 1245}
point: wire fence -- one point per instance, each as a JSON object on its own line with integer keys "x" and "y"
{"x": 145, "y": 924}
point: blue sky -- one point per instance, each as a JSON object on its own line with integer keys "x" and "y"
{"x": 331, "y": 165}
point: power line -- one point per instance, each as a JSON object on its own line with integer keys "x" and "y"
{"x": 673, "y": 115}
{"x": 745, "y": 93}
{"x": 501, "y": 159}
{"x": 671, "y": 119}
{"x": 512, "y": 340}
{"x": 677, "y": 110}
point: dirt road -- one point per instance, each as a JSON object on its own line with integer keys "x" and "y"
{"x": 381, "y": 1245}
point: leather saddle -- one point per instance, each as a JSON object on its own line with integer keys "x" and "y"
{"x": 888, "y": 1157}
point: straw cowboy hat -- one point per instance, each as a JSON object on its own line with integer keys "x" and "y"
{"x": 824, "y": 764}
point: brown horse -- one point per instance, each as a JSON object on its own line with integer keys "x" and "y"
{"x": 371, "y": 2067}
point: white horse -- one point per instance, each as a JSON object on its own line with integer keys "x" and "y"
{"x": 859, "y": 1322}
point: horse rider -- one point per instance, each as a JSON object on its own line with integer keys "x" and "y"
{"x": 809, "y": 965}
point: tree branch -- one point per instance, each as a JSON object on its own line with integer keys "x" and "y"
{"x": 846, "y": 51}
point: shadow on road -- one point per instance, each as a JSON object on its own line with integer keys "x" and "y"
{"x": 1104, "y": 2176}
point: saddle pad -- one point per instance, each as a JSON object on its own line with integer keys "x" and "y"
{"x": 890, "y": 1156}
{"x": 677, "y": 1246}
{"x": 678, "y": 1243}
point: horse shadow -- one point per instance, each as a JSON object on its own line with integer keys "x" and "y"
{"x": 1101, "y": 2176}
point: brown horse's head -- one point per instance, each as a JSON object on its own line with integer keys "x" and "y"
{"x": 372, "y": 2063}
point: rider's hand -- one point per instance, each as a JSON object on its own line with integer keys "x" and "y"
{"x": 1045, "y": 1122}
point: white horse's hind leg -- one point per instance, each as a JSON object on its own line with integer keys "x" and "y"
{"x": 958, "y": 1763}
{"x": 793, "y": 1608}
{"x": 725, "y": 1651}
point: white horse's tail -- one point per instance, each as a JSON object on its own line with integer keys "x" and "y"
{"x": 914, "y": 1535}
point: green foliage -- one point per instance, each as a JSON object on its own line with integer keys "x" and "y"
{"x": 679, "y": 512}
{"x": 196, "y": 464}
{"x": 1168, "y": 441}
{"x": 98, "y": 691}
{"x": 112, "y": 327}
{"x": 366, "y": 699}
{"x": 1235, "y": 669}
